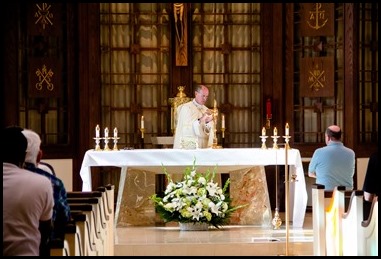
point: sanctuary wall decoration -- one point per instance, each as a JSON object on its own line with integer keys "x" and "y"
{"x": 317, "y": 19}
{"x": 317, "y": 77}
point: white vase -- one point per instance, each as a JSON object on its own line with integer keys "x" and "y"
{"x": 197, "y": 226}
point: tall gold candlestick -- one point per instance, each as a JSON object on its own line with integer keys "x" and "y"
{"x": 287, "y": 191}
{"x": 142, "y": 126}
{"x": 223, "y": 125}
{"x": 215, "y": 115}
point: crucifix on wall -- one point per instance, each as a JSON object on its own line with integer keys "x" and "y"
{"x": 180, "y": 15}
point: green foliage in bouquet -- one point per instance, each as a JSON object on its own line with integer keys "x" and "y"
{"x": 195, "y": 199}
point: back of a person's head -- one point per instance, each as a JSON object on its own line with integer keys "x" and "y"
{"x": 334, "y": 132}
{"x": 15, "y": 145}
{"x": 34, "y": 143}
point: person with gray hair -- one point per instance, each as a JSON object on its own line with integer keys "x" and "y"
{"x": 334, "y": 164}
{"x": 61, "y": 209}
{"x": 35, "y": 154}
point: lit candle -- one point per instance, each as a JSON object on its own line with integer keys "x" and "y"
{"x": 106, "y": 132}
{"x": 115, "y": 132}
{"x": 142, "y": 122}
{"x": 287, "y": 129}
{"x": 263, "y": 131}
{"x": 97, "y": 130}
{"x": 275, "y": 131}
{"x": 223, "y": 121}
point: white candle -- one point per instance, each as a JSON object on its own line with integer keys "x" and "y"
{"x": 263, "y": 131}
{"x": 115, "y": 132}
{"x": 287, "y": 129}
{"x": 275, "y": 131}
{"x": 106, "y": 132}
{"x": 142, "y": 122}
{"x": 97, "y": 131}
{"x": 215, "y": 104}
{"x": 223, "y": 121}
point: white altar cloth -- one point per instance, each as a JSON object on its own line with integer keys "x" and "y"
{"x": 226, "y": 159}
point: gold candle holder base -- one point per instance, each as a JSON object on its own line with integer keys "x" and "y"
{"x": 263, "y": 138}
{"x": 106, "y": 140}
{"x": 287, "y": 140}
{"x": 275, "y": 144}
{"x": 277, "y": 221}
{"x": 115, "y": 147}
{"x": 142, "y": 131}
{"x": 97, "y": 142}
{"x": 223, "y": 132}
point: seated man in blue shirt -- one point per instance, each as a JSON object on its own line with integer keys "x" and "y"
{"x": 334, "y": 164}
{"x": 61, "y": 209}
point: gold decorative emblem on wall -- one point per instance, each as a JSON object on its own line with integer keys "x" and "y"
{"x": 45, "y": 19}
{"x": 43, "y": 15}
{"x": 44, "y": 78}
{"x": 317, "y": 77}
{"x": 317, "y": 19}
{"x": 44, "y": 81}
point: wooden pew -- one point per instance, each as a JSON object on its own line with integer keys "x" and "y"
{"x": 110, "y": 193}
{"x": 109, "y": 216}
{"x": 318, "y": 219}
{"x": 104, "y": 214}
{"x": 59, "y": 247}
{"x": 83, "y": 223}
{"x": 91, "y": 220}
{"x": 369, "y": 229}
{"x": 351, "y": 223}
{"x": 100, "y": 223}
{"x": 73, "y": 237}
{"x": 333, "y": 221}
{"x": 334, "y": 216}
{"x": 326, "y": 207}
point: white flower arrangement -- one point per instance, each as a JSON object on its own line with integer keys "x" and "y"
{"x": 197, "y": 198}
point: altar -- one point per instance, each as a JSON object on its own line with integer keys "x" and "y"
{"x": 227, "y": 160}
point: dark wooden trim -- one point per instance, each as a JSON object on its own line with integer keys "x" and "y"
{"x": 89, "y": 85}
{"x": 9, "y": 84}
{"x": 267, "y": 57}
{"x": 288, "y": 39}
{"x": 351, "y": 105}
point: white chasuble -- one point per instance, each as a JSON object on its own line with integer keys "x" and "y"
{"x": 190, "y": 129}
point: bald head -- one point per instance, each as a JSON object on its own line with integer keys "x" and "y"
{"x": 201, "y": 94}
{"x": 333, "y": 132}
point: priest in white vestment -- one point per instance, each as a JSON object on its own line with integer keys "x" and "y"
{"x": 195, "y": 126}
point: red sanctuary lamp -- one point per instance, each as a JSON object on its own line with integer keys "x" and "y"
{"x": 268, "y": 113}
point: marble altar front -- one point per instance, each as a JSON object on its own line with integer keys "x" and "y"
{"x": 245, "y": 166}
{"x": 247, "y": 186}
